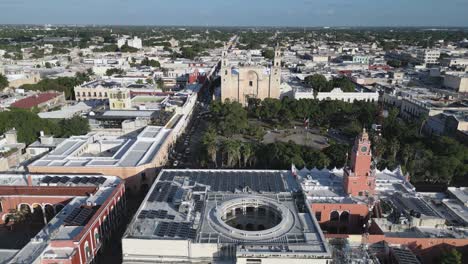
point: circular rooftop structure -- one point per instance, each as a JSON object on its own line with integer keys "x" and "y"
{"x": 251, "y": 218}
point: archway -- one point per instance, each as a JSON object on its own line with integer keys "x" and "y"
{"x": 334, "y": 216}
{"x": 37, "y": 213}
{"x": 49, "y": 212}
{"x": 344, "y": 217}
{"x": 25, "y": 208}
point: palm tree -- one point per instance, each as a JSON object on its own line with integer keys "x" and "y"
{"x": 209, "y": 140}
{"x": 231, "y": 148}
{"x": 394, "y": 147}
{"x": 247, "y": 153}
{"x": 422, "y": 119}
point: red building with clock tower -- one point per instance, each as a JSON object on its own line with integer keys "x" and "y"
{"x": 359, "y": 178}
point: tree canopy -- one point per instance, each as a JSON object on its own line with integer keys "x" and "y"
{"x": 320, "y": 84}
{"x": 61, "y": 84}
{"x": 438, "y": 160}
{"x": 268, "y": 54}
{"x": 451, "y": 257}
{"x": 113, "y": 71}
{"x": 3, "y": 81}
{"x": 152, "y": 63}
{"x": 29, "y": 124}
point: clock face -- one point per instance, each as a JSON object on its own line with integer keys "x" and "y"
{"x": 363, "y": 149}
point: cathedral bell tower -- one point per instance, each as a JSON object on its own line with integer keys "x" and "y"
{"x": 359, "y": 178}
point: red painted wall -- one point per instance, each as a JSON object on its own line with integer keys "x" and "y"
{"x": 358, "y": 213}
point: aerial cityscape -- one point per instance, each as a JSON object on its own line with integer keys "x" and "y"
{"x": 322, "y": 132}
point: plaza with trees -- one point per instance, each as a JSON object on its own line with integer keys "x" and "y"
{"x": 234, "y": 139}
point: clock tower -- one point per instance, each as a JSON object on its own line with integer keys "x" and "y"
{"x": 359, "y": 178}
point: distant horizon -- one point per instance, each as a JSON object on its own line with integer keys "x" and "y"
{"x": 229, "y": 26}
{"x": 238, "y": 13}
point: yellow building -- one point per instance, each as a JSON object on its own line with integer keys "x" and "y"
{"x": 240, "y": 83}
{"x": 120, "y": 99}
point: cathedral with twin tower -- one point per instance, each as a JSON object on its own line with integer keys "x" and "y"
{"x": 238, "y": 83}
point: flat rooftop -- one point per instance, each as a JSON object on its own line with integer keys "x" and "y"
{"x": 71, "y": 220}
{"x": 191, "y": 205}
{"x": 107, "y": 151}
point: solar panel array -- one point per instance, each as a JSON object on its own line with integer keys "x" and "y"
{"x": 423, "y": 207}
{"x": 229, "y": 181}
{"x": 413, "y": 205}
{"x": 175, "y": 229}
{"x": 75, "y": 180}
{"x": 155, "y": 214}
{"x": 79, "y": 216}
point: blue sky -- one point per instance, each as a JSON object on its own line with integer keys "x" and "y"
{"x": 238, "y": 12}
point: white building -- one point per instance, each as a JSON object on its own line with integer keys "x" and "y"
{"x": 427, "y": 56}
{"x": 361, "y": 59}
{"x": 134, "y": 43}
{"x": 337, "y": 94}
{"x": 224, "y": 217}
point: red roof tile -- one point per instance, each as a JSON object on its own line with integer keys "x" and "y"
{"x": 34, "y": 100}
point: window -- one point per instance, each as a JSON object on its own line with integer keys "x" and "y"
{"x": 318, "y": 216}
{"x": 253, "y": 261}
{"x": 97, "y": 237}
{"x": 250, "y": 83}
{"x": 87, "y": 250}
{"x": 360, "y": 193}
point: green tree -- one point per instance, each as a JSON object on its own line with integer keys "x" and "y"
{"x": 113, "y": 71}
{"x": 452, "y": 257}
{"x": 210, "y": 143}
{"x": 247, "y": 153}
{"x": 268, "y": 54}
{"x": 152, "y": 63}
{"x": 231, "y": 152}
{"x": 3, "y": 81}
{"x": 160, "y": 83}
{"x": 74, "y": 126}
{"x": 344, "y": 83}
{"x": 318, "y": 82}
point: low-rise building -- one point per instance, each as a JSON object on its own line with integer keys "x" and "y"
{"x": 135, "y": 159}
{"x": 80, "y": 213}
{"x": 458, "y": 83}
{"x": 224, "y": 216}
{"x": 11, "y": 151}
{"x": 338, "y": 95}
{"x": 41, "y": 101}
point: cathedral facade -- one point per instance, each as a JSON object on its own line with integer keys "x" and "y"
{"x": 251, "y": 81}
